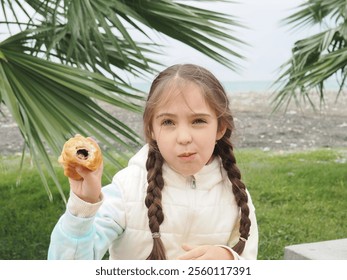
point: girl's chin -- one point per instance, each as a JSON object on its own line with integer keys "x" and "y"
{"x": 187, "y": 172}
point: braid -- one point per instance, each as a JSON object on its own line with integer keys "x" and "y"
{"x": 224, "y": 149}
{"x": 153, "y": 200}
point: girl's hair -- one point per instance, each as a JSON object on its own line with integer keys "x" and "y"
{"x": 172, "y": 79}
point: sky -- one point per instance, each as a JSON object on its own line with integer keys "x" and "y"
{"x": 270, "y": 41}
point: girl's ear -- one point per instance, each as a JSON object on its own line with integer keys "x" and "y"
{"x": 221, "y": 132}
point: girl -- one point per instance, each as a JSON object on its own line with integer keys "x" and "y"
{"x": 181, "y": 196}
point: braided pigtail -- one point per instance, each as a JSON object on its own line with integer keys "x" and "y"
{"x": 224, "y": 149}
{"x": 153, "y": 200}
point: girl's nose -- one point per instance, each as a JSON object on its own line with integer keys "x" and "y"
{"x": 184, "y": 136}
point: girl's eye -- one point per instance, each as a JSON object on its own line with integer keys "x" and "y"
{"x": 167, "y": 122}
{"x": 199, "y": 121}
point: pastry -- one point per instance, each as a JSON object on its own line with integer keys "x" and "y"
{"x": 80, "y": 151}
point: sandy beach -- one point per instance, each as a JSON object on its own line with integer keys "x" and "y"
{"x": 256, "y": 126}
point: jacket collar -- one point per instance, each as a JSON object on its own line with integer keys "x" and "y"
{"x": 209, "y": 176}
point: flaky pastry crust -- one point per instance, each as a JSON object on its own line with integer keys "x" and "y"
{"x": 80, "y": 151}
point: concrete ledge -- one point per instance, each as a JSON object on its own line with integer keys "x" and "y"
{"x": 325, "y": 250}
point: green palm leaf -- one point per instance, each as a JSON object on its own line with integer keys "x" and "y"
{"x": 51, "y": 102}
{"x": 317, "y": 58}
{"x": 72, "y": 56}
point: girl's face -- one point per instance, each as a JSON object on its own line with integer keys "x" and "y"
{"x": 186, "y": 130}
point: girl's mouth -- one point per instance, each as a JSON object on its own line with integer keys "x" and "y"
{"x": 187, "y": 156}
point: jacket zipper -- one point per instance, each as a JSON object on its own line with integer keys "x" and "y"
{"x": 191, "y": 196}
{"x": 193, "y": 185}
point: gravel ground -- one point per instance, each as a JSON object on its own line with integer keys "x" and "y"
{"x": 256, "y": 127}
{"x": 294, "y": 128}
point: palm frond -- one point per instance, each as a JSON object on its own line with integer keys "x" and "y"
{"x": 206, "y": 31}
{"x": 314, "y": 59}
{"x": 52, "y": 102}
{"x": 80, "y": 28}
{"x": 73, "y": 54}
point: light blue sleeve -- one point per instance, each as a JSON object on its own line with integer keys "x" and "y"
{"x": 89, "y": 238}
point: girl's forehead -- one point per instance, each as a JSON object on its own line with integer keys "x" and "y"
{"x": 184, "y": 89}
{"x": 189, "y": 99}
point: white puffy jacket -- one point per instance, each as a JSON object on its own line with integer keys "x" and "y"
{"x": 198, "y": 210}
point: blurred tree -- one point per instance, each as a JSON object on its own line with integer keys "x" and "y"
{"x": 66, "y": 57}
{"x": 317, "y": 57}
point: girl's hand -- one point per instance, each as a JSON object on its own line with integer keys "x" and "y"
{"x": 205, "y": 252}
{"x": 89, "y": 188}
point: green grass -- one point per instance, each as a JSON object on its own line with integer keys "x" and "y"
{"x": 299, "y": 197}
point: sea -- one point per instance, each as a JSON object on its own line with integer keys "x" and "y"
{"x": 244, "y": 86}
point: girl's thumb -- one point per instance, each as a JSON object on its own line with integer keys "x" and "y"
{"x": 187, "y": 247}
{"x": 82, "y": 171}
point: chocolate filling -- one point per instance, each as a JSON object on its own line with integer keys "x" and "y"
{"x": 82, "y": 154}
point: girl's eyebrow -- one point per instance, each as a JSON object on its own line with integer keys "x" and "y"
{"x": 165, "y": 115}
{"x": 194, "y": 115}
